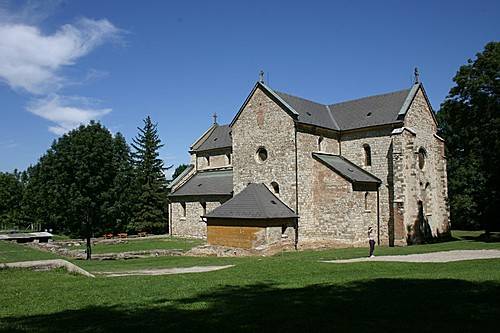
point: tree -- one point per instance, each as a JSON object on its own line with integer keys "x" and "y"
{"x": 121, "y": 195}
{"x": 150, "y": 213}
{"x": 469, "y": 122}
{"x": 180, "y": 169}
{"x": 11, "y": 194}
{"x": 72, "y": 186}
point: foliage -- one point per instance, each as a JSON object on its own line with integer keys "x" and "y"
{"x": 179, "y": 170}
{"x": 150, "y": 212}
{"x": 470, "y": 123}
{"x": 11, "y": 194}
{"x": 79, "y": 186}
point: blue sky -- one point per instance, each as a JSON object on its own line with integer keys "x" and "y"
{"x": 65, "y": 62}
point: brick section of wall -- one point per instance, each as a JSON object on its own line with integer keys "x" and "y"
{"x": 262, "y": 123}
{"x": 429, "y": 184}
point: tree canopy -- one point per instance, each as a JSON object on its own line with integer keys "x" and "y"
{"x": 469, "y": 122}
{"x": 150, "y": 213}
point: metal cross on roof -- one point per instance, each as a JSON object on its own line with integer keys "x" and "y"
{"x": 417, "y": 75}
{"x": 215, "y": 117}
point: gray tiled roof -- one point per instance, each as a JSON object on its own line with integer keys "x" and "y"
{"x": 369, "y": 111}
{"x": 219, "y": 138}
{"x": 207, "y": 183}
{"x": 254, "y": 202}
{"x": 310, "y": 112}
{"x": 364, "y": 112}
{"x": 180, "y": 176}
{"x": 346, "y": 168}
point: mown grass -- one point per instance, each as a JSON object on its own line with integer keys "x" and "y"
{"x": 289, "y": 292}
{"x": 167, "y": 243}
{"x": 11, "y": 252}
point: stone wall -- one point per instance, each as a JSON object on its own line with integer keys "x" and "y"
{"x": 379, "y": 141}
{"x": 427, "y": 184}
{"x": 307, "y": 143}
{"x": 190, "y": 225}
{"x": 263, "y": 123}
{"x": 338, "y": 214}
{"x": 217, "y": 160}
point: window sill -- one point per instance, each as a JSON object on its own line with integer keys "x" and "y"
{"x": 182, "y": 219}
{"x": 367, "y": 211}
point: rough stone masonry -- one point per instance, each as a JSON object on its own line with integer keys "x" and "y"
{"x": 375, "y": 161}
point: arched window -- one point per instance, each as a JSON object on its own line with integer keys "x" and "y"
{"x": 228, "y": 158}
{"x": 368, "y": 154}
{"x": 276, "y": 187}
{"x": 366, "y": 201}
{"x": 422, "y": 155}
{"x": 320, "y": 143}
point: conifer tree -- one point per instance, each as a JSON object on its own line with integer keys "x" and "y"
{"x": 150, "y": 214}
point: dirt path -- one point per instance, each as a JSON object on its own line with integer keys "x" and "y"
{"x": 443, "y": 256}
{"x": 165, "y": 271}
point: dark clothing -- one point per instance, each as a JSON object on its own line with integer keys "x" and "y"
{"x": 372, "y": 246}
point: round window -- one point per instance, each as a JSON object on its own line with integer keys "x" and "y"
{"x": 261, "y": 154}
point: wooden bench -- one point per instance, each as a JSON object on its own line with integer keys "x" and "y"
{"x": 122, "y": 235}
{"x": 142, "y": 234}
{"x": 108, "y": 236}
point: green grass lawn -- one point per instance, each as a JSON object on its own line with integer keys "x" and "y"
{"x": 11, "y": 252}
{"x": 289, "y": 292}
{"x": 167, "y": 243}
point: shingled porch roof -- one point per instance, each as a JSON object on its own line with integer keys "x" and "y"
{"x": 347, "y": 169}
{"x": 206, "y": 183}
{"x": 254, "y": 202}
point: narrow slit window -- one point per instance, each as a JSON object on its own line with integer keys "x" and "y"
{"x": 208, "y": 160}
{"x": 320, "y": 143}
{"x": 368, "y": 155}
{"x": 422, "y": 155}
{"x": 183, "y": 205}
{"x": 276, "y": 187}
{"x": 204, "y": 208}
{"x": 366, "y": 200}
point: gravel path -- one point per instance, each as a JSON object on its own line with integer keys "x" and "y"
{"x": 444, "y": 256}
{"x": 165, "y": 271}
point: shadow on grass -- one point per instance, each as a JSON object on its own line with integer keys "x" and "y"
{"x": 373, "y": 305}
{"x": 494, "y": 237}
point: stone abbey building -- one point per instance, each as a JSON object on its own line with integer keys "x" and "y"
{"x": 287, "y": 169}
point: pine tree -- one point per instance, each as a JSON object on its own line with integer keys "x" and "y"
{"x": 150, "y": 213}
{"x": 121, "y": 198}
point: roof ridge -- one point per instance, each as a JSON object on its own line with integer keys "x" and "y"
{"x": 305, "y": 99}
{"x": 371, "y": 96}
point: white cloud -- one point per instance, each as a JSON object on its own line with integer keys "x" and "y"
{"x": 32, "y": 61}
{"x": 61, "y": 110}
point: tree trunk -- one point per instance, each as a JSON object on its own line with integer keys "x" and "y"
{"x": 89, "y": 248}
{"x": 89, "y": 235}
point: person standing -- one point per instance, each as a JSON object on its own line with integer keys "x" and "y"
{"x": 371, "y": 241}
